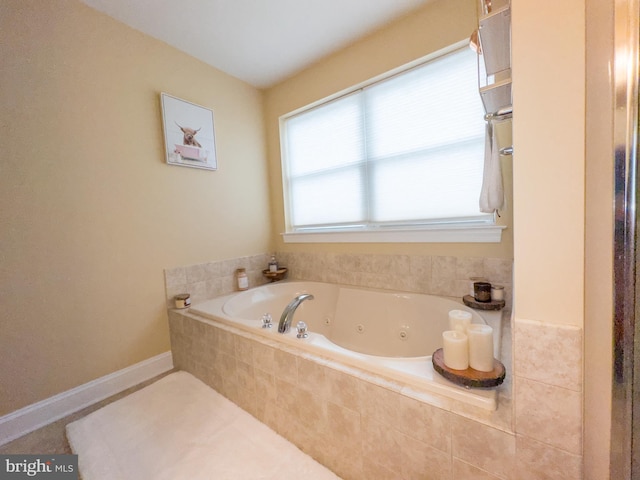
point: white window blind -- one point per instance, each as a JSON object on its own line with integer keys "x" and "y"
{"x": 405, "y": 151}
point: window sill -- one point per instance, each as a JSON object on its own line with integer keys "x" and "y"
{"x": 434, "y": 234}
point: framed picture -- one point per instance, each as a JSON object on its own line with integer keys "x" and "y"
{"x": 188, "y": 133}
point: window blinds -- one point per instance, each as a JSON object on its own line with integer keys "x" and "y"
{"x": 407, "y": 150}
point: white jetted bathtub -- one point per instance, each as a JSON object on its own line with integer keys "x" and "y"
{"x": 386, "y": 332}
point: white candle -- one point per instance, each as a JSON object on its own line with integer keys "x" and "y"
{"x": 480, "y": 347}
{"x": 455, "y": 349}
{"x": 497, "y": 292}
{"x": 459, "y": 319}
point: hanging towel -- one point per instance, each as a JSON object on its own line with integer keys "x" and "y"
{"x": 492, "y": 192}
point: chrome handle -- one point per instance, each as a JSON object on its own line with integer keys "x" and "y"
{"x": 302, "y": 330}
{"x": 267, "y": 321}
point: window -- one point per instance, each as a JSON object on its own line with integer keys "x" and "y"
{"x": 402, "y": 154}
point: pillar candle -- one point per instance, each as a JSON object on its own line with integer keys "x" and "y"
{"x": 455, "y": 349}
{"x": 480, "y": 347}
{"x": 459, "y": 319}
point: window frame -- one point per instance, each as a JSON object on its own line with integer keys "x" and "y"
{"x": 455, "y": 231}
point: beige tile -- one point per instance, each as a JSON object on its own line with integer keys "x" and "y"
{"x": 346, "y": 466}
{"x": 420, "y": 265}
{"x": 246, "y": 400}
{"x": 375, "y": 280}
{"x": 547, "y": 353}
{"x": 265, "y": 386}
{"x": 380, "y": 404}
{"x": 550, "y": 414}
{"x": 301, "y": 434}
{"x": 537, "y": 461}
{"x": 260, "y": 261}
{"x": 307, "y": 410}
{"x": 199, "y": 291}
{"x": 286, "y": 366}
{"x": 373, "y": 470}
{"x": 211, "y": 337}
{"x": 245, "y": 376}
{"x": 175, "y": 276}
{"x": 343, "y": 389}
{"x": 263, "y": 357}
{"x": 176, "y": 322}
{"x": 419, "y": 461}
{"x": 225, "y": 365}
{"x": 498, "y": 270}
{"x": 214, "y": 288}
{"x": 381, "y": 444}
{"x": 310, "y": 411}
{"x": 266, "y": 397}
{"x": 345, "y": 427}
{"x": 244, "y": 349}
{"x": 427, "y": 424}
{"x": 341, "y": 445}
{"x": 443, "y": 275}
{"x": 226, "y": 342}
{"x": 349, "y": 262}
{"x": 484, "y": 447}
{"x": 196, "y": 273}
{"x": 462, "y": 470}
{"x": 311, "y": 377}
{"x": 398, "y": 265}
{"x": 467, "y": 267}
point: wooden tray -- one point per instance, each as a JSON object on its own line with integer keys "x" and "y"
{"x": 275, "y": 276}
{"x": 469, "y": 377}
{"x": 469, "y": 301}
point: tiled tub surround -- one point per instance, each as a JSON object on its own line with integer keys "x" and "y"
{"x": 367, "y": 426}
{"x": 358, "y": 424}
{"x": 397, "y": 432}
{"x": 380, "y": 331}
{"x": 434, "y": 275}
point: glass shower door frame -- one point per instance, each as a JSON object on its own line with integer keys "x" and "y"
{"x": 625, "y": 415}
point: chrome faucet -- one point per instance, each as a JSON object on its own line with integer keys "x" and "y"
{"x": 287, "y": 314}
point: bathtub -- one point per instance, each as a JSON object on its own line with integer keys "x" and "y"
{"x": 383, "y": 332}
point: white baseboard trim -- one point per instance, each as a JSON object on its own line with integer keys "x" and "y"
{"x": 37, "y": 415}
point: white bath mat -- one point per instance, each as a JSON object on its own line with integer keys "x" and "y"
{"x": 179, "y": 428}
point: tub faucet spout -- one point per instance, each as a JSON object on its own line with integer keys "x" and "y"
{"x": 287, "y": 314}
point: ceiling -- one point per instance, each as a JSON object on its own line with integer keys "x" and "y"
{"x": 259, "y": 41}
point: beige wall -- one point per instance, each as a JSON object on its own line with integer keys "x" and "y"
{"x": 437, "y": 25}
{"x": 91, "y": 214}
{"x": 599, "y": 239}
{"x": 549, "y": 166}
{"x": 563, "y": 174}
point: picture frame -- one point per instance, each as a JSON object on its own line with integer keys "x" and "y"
{"x": 189, "y": 133}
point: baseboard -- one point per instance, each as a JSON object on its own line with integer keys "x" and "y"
{"x": 37, "y": 415}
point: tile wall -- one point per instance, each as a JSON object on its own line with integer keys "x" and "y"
{"x": 213, "y": 279}
{"x": 357, "y": 424}
{"x": 436, "y": 275}
{"x": 360, "y": 426}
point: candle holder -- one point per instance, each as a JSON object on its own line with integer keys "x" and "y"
{"x": 469, "y": 378}
{"x": 469, "y": 301}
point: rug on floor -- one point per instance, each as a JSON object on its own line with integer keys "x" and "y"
{"x": 179, "y": 428}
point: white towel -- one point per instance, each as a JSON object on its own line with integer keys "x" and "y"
{"x": 492, "y": 192}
